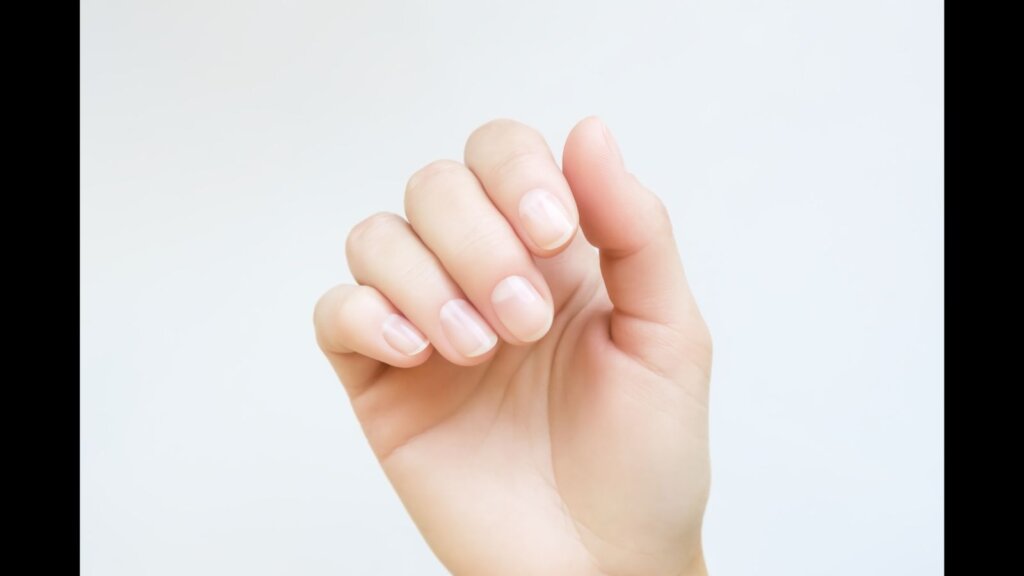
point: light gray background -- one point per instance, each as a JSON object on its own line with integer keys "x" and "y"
{"x": 227, "y": 148}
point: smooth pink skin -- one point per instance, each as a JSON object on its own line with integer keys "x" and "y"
{"x": 585, "y": 452}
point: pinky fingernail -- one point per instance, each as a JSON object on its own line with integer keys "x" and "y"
{"x": 401, "y": 335}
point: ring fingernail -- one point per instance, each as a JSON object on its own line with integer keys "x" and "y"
{"x": 521, "y": 308}
{"x": 401, "y": 335}
{"x": 466, "y": 330}
{"x": 545, "y": 219}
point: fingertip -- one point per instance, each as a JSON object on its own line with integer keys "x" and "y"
{"x": 525, "y": 311}
{"x": 610, "y": 142}
{"x": 470, "y": 336}
{"x": 590, "y": 120}
{"x": 521, "y": 177}
{"x": 353, "y": 319}
{"x": 616, "y": 211}
{"x": 481, "y": 356}
{"x": 548, "y": 224}
{"x": 630, "y": 225}
{"x": 404, "y": 338}
{"x": 591, "y": 139}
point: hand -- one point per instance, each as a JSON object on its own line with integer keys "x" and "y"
{"x": 539, "y": 406}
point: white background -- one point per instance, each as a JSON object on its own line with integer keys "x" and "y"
{"x": 227, "y": 148}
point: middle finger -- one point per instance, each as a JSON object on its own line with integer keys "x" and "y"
{"x": 451, "y": 213}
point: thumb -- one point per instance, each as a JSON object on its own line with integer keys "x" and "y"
{"x": 639, "y": 259}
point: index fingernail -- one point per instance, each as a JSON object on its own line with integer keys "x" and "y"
{"x": 545, "y": 219}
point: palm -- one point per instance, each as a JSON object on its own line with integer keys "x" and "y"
{"x": 577, "y": 454}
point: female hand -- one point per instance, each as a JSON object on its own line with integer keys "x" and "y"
{"x": 540, "y": 406}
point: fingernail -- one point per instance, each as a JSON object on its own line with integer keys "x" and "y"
{"x": 521, "y": 308}
{"x": 610, "y": 140}
{"x": 466, "y": 330}
{"x": 545, "y": 219}
{"x": 401, "y": 335}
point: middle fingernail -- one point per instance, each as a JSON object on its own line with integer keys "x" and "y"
{"x": 521, "y": 308}
{"x": 465, "y": 329}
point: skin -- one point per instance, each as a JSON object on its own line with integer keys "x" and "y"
{"x": 582, "y": 451}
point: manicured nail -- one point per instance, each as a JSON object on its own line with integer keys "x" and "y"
{"x": 401, "y": 335}
{"x": 545, "y": 219}
{"x": 521, "y": 308}
{"x": 466, "y": 330}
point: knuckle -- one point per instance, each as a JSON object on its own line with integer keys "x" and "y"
{"x": 503, "y": 130}
{"x": 370, "y": 230}
{"x": 660, "y": 214}
{"x": 497, "y": 126}
{"x": 420, "y": 179}
{"x": 422, "y": 272}
{"x": 318, "y": 314}
{"x": 350, "y": 302}
{"x": 330, "y": 314}
{"x": 480, "y": 246}
{"x": 517, "y": 160}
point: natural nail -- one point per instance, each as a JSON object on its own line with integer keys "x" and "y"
{"x": 545, "y": 219}
{"x": 466, "y": 330}
{"x": 521, "y": 308}
{"x": 613, "y": 145}
{"x": 401, "y": 335}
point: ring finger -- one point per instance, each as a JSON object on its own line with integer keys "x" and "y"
{"x": 384, "y": 252}
{"x": 452, "y": 214}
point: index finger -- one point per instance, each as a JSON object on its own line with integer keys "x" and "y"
{"x": 522, "y": 179}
